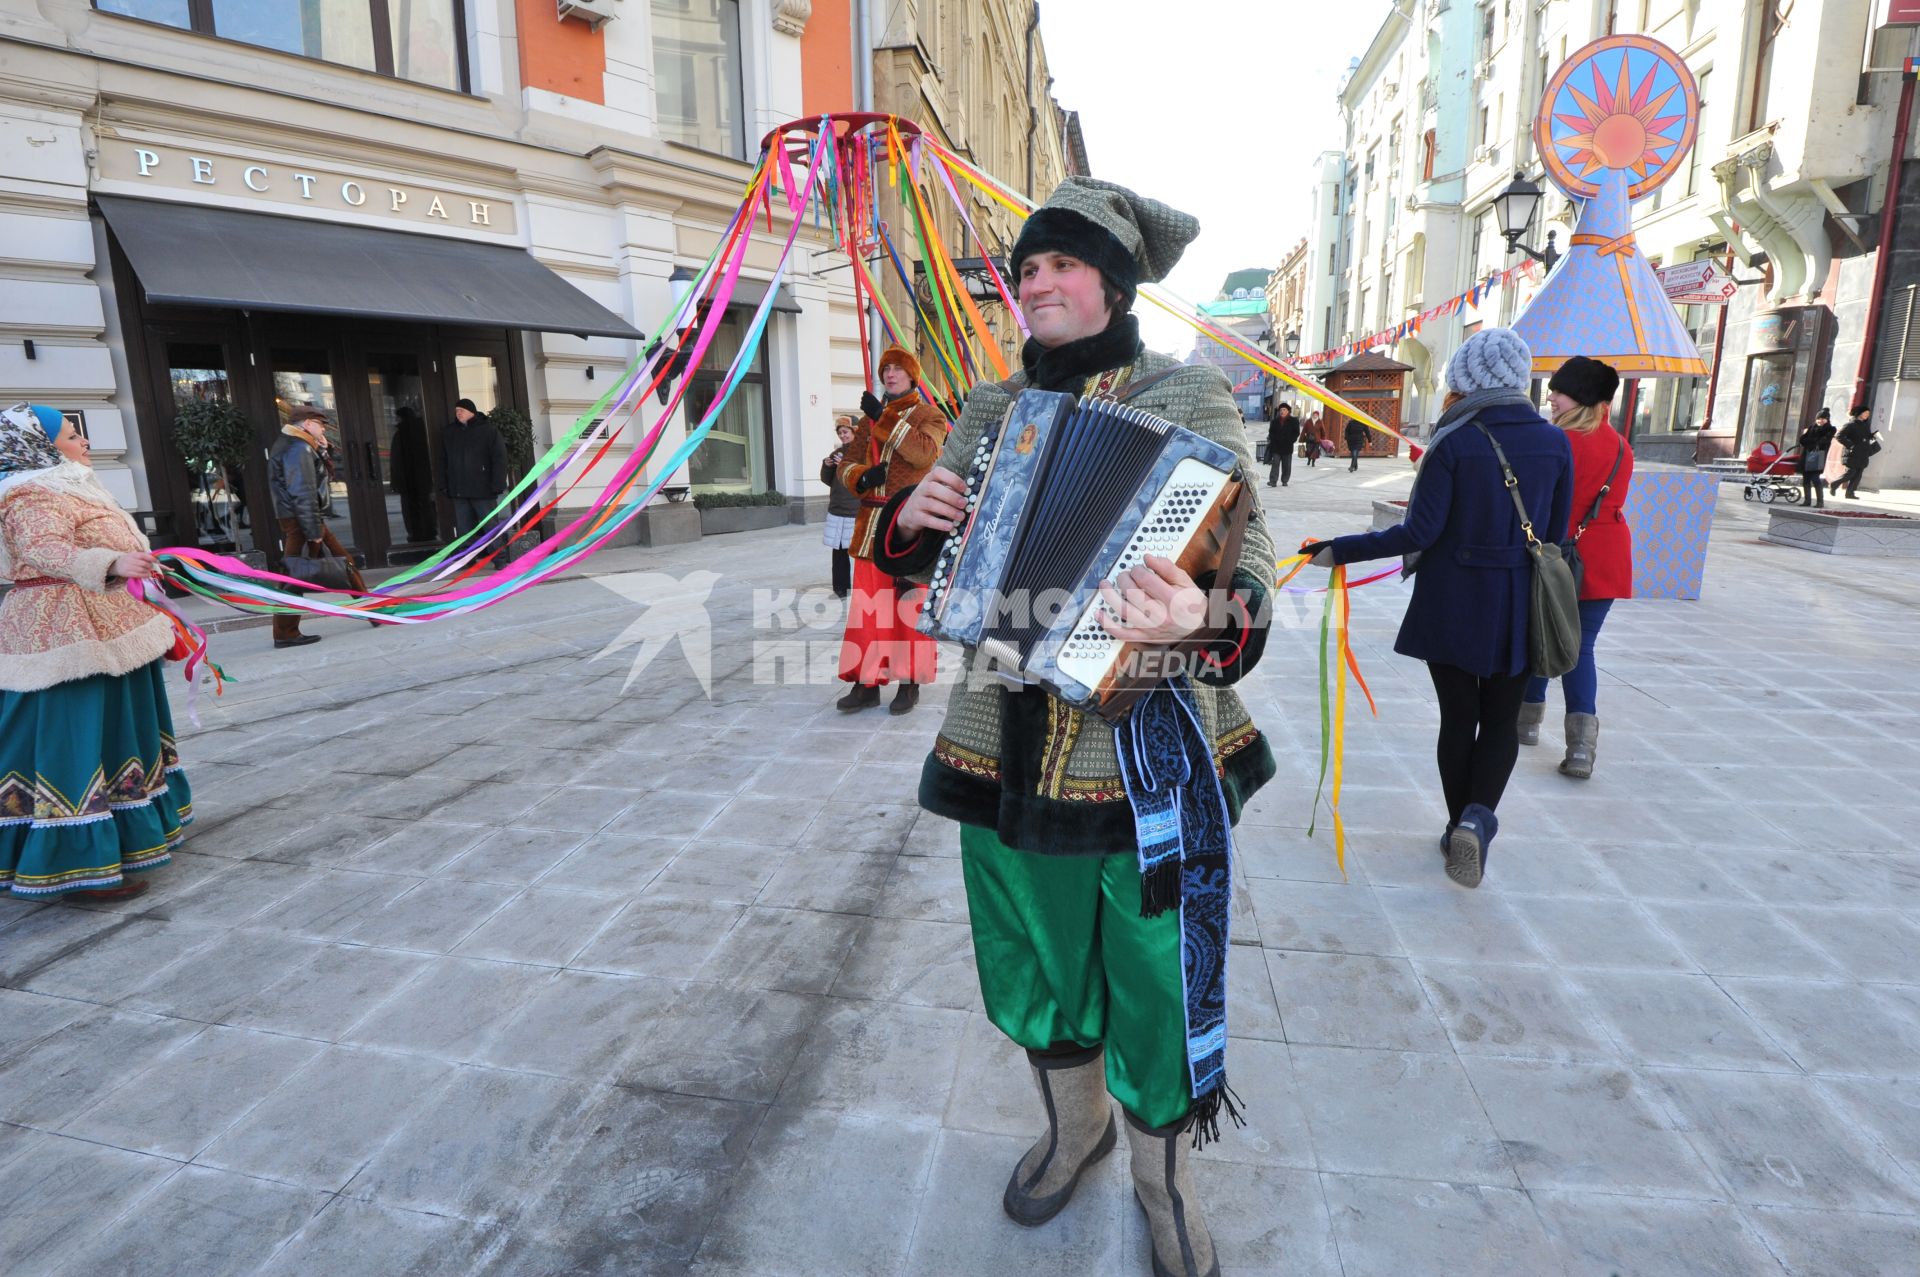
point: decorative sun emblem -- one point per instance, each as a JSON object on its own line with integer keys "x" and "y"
{"x": 1625, "y": 104}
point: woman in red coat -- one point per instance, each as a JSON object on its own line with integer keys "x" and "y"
{"x": 1602, "y": 469}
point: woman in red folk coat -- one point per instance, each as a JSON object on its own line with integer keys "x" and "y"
{"x": 1602, "y": 470}
{"x": 896, "y": 442}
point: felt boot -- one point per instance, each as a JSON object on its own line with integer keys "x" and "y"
{"x": 1532, "y": 714}
{"x": 1163, "y": 1185}
{"x": 1583, "y": 746}
{"x": 1080, "y": 1131}
{"x": 905, "y": 699}
{"x": 1467, "y": 845}
{"x": 858, "y": 697}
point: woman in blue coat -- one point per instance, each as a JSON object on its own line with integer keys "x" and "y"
{"x": 1471, "y": 592}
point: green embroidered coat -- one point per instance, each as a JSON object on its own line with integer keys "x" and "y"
{"x": 1023, "y": 763}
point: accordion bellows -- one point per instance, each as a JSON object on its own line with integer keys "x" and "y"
{"x": 1062, "y": 495}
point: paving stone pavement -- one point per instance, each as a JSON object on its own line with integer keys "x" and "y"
{"x": 480, "y": 961}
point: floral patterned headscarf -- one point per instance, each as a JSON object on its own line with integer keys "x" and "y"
{"x": 27, "y": 432}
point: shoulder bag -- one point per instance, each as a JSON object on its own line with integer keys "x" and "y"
{"x": 1553, "y": 620}
{"x": 323, "y": 571}
{"x": 1570, "y": 548}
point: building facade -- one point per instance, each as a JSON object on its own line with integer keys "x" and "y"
{"x": 1325, "y": 244}
{"x": 972, "y": 73}
{"x": 1287, "y": 293}
{"x": 1240, "y": 307}
{"x": 1784, "y": 190}
{"x": 276, "y": 204}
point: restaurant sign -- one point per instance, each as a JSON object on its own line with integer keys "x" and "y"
{"x": 133, "y": 164}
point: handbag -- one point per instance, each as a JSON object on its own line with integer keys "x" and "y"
{"x": 1570, "y": 548}
{"x": 325, "y": 571}
{"x": 1814, "y": 462}
{"x": 1553, "y": 619}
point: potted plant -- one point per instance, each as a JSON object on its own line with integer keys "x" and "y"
{"x": 516, "y": 433}
{"x": 740, "y": 511}
{"x": 213, "y": 437}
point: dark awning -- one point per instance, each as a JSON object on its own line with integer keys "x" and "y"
{"x": 751, "y": 292}
{"x": 189, "y": 255}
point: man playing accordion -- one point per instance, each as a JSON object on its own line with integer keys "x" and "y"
{"x": 1076, "y": 962}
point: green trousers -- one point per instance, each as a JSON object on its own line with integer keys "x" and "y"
{"x": 1065, "y": 957}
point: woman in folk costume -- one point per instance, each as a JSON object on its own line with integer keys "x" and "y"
{"x": 90, "y": 783}
{"x": 1112, "y": 978}
{"x": 892, "y": 447}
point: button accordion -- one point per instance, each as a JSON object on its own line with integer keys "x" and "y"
{"x": 1062, "y": 495}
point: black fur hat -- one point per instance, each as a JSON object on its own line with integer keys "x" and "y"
{"x": 1585, "y": 381}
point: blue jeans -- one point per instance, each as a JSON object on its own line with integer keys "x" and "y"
{"x": 1581, "y": 684}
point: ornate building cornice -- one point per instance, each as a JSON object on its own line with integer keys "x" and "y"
{"x": 790, "y": 16}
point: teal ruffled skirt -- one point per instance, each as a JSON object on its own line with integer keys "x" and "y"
{"x": 91, "y": 787}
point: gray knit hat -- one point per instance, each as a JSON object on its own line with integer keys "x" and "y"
{"x": 1491, "y": 359}
{"x": 1128, "y": 238}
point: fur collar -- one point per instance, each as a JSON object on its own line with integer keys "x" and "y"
{"x": 1067, "y": 367}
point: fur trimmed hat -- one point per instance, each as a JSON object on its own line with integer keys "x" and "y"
{"x": 1128, "y": 238}
{"x": 902, "y": 358}
{"x": 1491, "y": 359}
{"x": 1586, "y": 381}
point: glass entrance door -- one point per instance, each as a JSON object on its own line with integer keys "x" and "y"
{"x": 481, "y": 378}
{"x": 303, "y": 377}
{"x": 400, "y": 460}
{"x": 199, "y": 387}
{"x": 1768, "y": 400}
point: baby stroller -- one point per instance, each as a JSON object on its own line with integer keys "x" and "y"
{"x": 1772, "y": 475}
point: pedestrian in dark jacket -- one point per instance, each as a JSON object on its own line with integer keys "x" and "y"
{"x": 1857, "y": 438}
{"x": 1581, "y": 391}
{"x": 473, "y": 466}
{"x": 1471, "y": 594}
{"x": 1282, "y": 434}
{"x": 1356, "y": 435}
{"x": 1310, "y": 435}
{"x": 843, "y": 507}
{"x": 294, "y": 478}
{"x": 1816, "y": 442}
{"x": 411, "y": 474}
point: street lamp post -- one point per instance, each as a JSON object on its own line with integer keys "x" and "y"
{"x": 1293, "y": 344}
{"x": 681, "y": 281}
{"x": 1513, "y": 208}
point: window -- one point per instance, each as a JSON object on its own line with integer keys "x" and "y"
{"x": 737, "y": 455}
{"x": 1773, "y": 21}
{"x": 697, "y": 74}
{"x": 929, "y": 22}
{"x": 1486, "y": 120}
{"x": 1693, "y": 160}
{"x": 1475, "y": 229}
{"x": 424, "y": 41}
{"x": 1670, "y": 405}
{"x": 1429, "y": 143}
{"x": 1486, "y": 30}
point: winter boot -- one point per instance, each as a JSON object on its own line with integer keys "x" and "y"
{"x": 858, "y": 697}
{"x": 1080, "y": 1131}
{"x": 905, "y": 699}
{"x": 1467, "y": 846}
{"x": 1163, "y": 1185}
{"x": 1583, "y": 746}
{"x": 1532, "y": 713}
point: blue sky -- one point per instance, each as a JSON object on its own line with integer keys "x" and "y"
{"x": 1221, "y": 112}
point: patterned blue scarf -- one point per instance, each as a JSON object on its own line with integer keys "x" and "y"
{"x": 1186, "y": 849}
